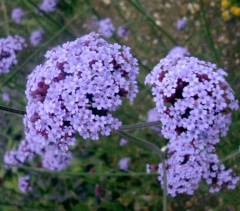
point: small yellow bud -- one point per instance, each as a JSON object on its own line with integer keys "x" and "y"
{"x": 224, "y": 4}
{"x": 225, "y": 15}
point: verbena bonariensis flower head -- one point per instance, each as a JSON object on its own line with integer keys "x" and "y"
{"x": 192, "y": 98}
{"x": 76, "y": 90}
{"x": 123, "y": 163}
{"x": 181, "y": 23}
{"x": 24, "y": 184}
{"x": 178, "y": 51}
{"x": 123, "y": 142}
{"x": 106, "y": 27}
{"x": 194, "y": 104}
{"x": 48, "y": 5}
{"x": 36, "y": 37}
{"x": 24, "y": 152}
{"x": 122, "y": 31}
{"x": 9, "y": 47}
{"x": 51, "y": 159}
{"x": 5, "y": 97}
{"x": 17, "y": 15}
{"x": 56, "y": 161}
{"x": 191, "y": 161}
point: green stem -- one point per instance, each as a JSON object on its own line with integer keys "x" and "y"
{"x": 47, "y": 16}
{"x": 122, "y": 128}
{"x": 82, "y": 174}
{"x": 139, "y": 7}
{"x": 93, "y": 9}
{"x": 231, "y": 156}
{"x": 5, "y": 17}
{"x": 145, "y": 144}
{"x": 208, "y": 31}
{"x": 12, "y": 110}
{"x": 138, "y": 126}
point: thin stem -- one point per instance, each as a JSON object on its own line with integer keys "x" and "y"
{"x": 232, "y": 155}
{"x": 145, "y": 144}
{"x": 208, "y": 31}
{"x": 50, "y": 18}
{"x": 122, "y": 128}
{"x": 82, "y": 174}
{"x": 12, "y": 110}
{"x": 93, "y": 9}
{"x": 138, "y": 126}
{"x": 5, "y": 17}
{"x": 139, "y": 7}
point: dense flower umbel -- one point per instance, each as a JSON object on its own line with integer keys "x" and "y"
{"x": 191, "y": 161}
{"x": 26, "y": 150}
{"x": 17, "y": 15}
{"x": 24, "y": 184}
{"x": 181, "y": 23}
{"x": 104, "y": 26}
{"x": 23, "y": 153}
{"x": 194, "y": 103}
{"x": 56, "y": 161}
{"x": 123, "y": 142}
{"x": 123, "y": 163}
{"x": 122, "y": 31}
{"x": 5, "y": 97}
{"x": 36, "y": 37}
{"x": 9, "y": 47}
{"x": 192, "y": 98}
{"x": 178, "y": 50}
{"x": 76, "y": 90}
{"x": 48, "y": 5}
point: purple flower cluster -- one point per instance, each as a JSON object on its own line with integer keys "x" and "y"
{"x": 24, "y": 184}
{"x": 178, "y": 51}
{"x": 192, "y": 98}
{"x": 191, "y": 161}
{"x": 123, "y": 142}
{"x": 48, "y": 5}
{"x": 17, "y": 15}
{"x": 51, "y": 159}
{"x": 36, "y": 37}
{"x": 181, "y": 23}
{"x": 104, "y": 26}
{"x": 122, "y": 31}
{"x": 23, "y": 153}
{"x": 56, "y": 161}
{"x": 194, "y": 103}
{"x": 123, "y": 163}
{"x": 5, "y": 97}
{"x": 76, "y": 90}
{"x": 9, "y": 47}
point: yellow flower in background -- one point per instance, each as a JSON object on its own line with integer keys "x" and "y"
{"x": 235, "y": 10}
{"x": 224, "y": 4}
{"x": 230, "y": 8}
{"x": 226, "y": 16}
